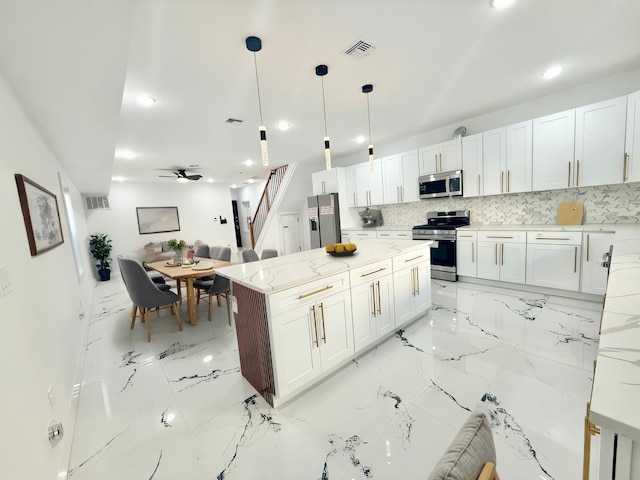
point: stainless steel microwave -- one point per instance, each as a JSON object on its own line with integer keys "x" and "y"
{"x": 445, "y": 184}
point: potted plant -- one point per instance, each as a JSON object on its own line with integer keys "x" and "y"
{"x": 177, "y": 246}
{"x": 101, "y": 247}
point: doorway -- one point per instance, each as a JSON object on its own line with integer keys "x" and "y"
{"x": 290, "y": 231}
{"x": 236, "y": 223}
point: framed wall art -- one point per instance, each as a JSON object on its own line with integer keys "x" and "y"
{"x": 41, "y": 215}
{"x": 158, "y": 219}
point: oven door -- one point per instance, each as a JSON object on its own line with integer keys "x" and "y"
{"x": 443, "y": 252}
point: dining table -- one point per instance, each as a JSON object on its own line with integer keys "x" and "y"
{"x": 188, "y": 274}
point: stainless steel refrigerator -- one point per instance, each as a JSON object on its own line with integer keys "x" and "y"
{"x": 324, "y": 219}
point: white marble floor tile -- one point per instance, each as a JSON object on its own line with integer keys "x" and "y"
{"x": 178, "y": 407}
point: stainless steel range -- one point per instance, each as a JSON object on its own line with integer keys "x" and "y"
{"x": 441, "y": 229}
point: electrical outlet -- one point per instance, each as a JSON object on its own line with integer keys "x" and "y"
{"x": 5, "y": 282}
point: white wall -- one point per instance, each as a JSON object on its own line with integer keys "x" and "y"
{"x": 39, "y": 320}
{"x": 200, "y": 206}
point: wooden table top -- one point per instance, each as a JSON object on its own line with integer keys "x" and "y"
{"x": 180, "y": 272}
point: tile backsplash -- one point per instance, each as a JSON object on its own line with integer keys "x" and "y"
{"x": 602, "y": 204}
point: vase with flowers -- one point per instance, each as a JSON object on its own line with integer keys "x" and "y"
{"x": 178, "y": 247}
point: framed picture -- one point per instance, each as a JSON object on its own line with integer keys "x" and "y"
{"x": 158, "y": 219}
{"x": 41, "y": 216}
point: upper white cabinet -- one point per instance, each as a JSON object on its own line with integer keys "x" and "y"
{"x": 350, "y": 181}
{"x": 599, "y": 147}
{"x": 472, "y": 165}
{"x": 594, "y": 276}
{"x": 632, "y": 149}
{"x": 553, "y": 150}
{"x": 327, "y": 181}
{"x": 518, "y": 165}
{"x": 369, "y": 184}
{"x": 443, "y": 157}
{"x": 400, "y": 178}
{"x": 494, "y": 152}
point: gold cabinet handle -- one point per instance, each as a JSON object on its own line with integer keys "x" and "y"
{"x": 508, "y": 181}
{"x": 501, "y": 182}
{"x": 473, "y": 260}
{"x": 500, "y": 236}
{"x": 435, "y": 157}
{"x": 502, "y": 254}
{"x": 478, "y": 184}
{"x": 398, "y": 193}
{"x": 417, "y": 280}
{"x": 496, "y": 253}
{"x": 315, "y": 325}
{"x": 414, "y": 258}
{"x": 314, "y": 292}
{"x": 355, "y": 203}
{"x": 464, "y": 236}
{"x": 575, "y": 260}
{"x": 625, "y": 176}
{"x": 588, "y": 238}
{"x": 375, "y": 271}
{"x": 402, "y": 193}
{"x": 324, "y": 330}
{"x": 553, "y": 238}
{"x": 379, "y": 301}
{"x": 577, "y": 173}
{"x": 373, "y": 296}
{"x": 569, "y": 176}
{"x": 413, "y": 283}
{"x": 440, "y": 161}
{"x": 324, "y": 189}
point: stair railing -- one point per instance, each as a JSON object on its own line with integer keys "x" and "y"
{"x": 266, "y": 200}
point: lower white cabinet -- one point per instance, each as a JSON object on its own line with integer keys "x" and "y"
{"x": 372, "y": 303}
{"x": 553, "y": 259}
{"x": 466, "y": 254}
{"x": 394, "y": 234}
{"x": 311, "y": 338}
{"x": 594, "y": 276}
{"x": 502, "y": 256}
{"x": 355, "y": 235}
{"x": 411, "y": 285}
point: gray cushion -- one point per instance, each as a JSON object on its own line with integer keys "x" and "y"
{"x": 471, "y": 448}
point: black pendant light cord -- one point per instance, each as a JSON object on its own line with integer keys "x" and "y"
{"x": 255, "y": 62}
{"x": 324, "y": 109}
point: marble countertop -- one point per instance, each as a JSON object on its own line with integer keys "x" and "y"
{"x": 596, "y": 227}
{"x": 384, "y": 228}
{"x": 616, "y": 386}
{"x": 279, "y": 273}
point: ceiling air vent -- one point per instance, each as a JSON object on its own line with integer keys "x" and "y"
{"x": 96, "y": 202}
{"x": 360, "y": 49}
{"x": 232, "y": 120}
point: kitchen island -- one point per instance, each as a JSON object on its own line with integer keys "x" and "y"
{"x": 301, "y": 317}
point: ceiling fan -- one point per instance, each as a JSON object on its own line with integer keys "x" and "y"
{"x": 181, "y": 175}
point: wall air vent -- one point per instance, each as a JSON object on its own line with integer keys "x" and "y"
{"x": 96, "y": 202}
{"x": 232, "y": 120}
{"x": 360, "y": 49}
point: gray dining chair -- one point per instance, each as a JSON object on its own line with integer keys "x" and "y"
{"x": 220, "y": 287}
{"x": 203, "y": 251}
{"x": 159, "y": 282}
{"x": 145, "y": 294}
{"x": 249, "y": 255}
{"x": 217, "y": 253}
{"x": 269, "y": 253}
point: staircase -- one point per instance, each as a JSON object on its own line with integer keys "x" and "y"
{"x": 266, "y": 200}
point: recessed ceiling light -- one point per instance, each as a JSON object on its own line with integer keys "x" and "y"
{"x": 117, "y": 179}
{"x": 283, "y": 125}
{"x": 145, "y": 100}
{"x": 500, "y": 4}
{"x": 248, "y": 163}
{"x": 552, "y": 72}
{"x": 360, "y": 139}
{"x": 209, "y": 180}
{"x": 126, "y": 154}
{"x": 233, "y": 185}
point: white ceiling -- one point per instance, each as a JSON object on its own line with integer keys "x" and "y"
{"x": 77, "y": 66}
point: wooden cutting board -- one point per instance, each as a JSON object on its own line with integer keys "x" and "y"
{"x": 570, "y": 213}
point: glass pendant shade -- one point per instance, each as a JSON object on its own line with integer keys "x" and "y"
{"x": 263, "y": 146}
{"x": 371, "y": 158}
{"x": 327, "y": 153}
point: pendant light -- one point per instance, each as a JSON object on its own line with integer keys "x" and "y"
{"x": 254, "y": 44}
{"x": 321, "y": 71}
{"x": 368, "y": 88}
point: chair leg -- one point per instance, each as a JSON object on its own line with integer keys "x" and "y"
{"x": 489, "y": 472}
{"x": 219, "y": 303}
{"x": 198, "y": 296}
{"x": 134, "y": 310}
{"x": 179, "y": 289}
{"x": 228, "y": 300}
{"x": 210, "y": 306}
{"x": 176, "y": 312}
{"x": 148, "y": 317}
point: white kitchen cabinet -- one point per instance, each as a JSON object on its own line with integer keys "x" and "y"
{"x": 345, "y": 236}
{"x": 466, "y": 244}
{"x": 327, "y": 181}
{"x": 411, "y": 286}
{"x": 553, "y": 150}
{"x": 400, "y": 178}
{"x": 372, "y": 303}
{"x": 553, "y": 259}
{"x": 632, "y": 148}
{"x": 369, "y": 184}
{"x": 494, "y": 152}
{"x": 518, "y": 166}
{"x": 502, "y": 255}
{"x": 394, "y": 234}
{"x": 310, "y": 338}
{"x": 600, "y": 143}
{"x": 443, "y": 157}
{"x": 351, "y": 188}
{"x": 594, "y": 276}
{"x": 472, "y": 165}
{"x": 356, "y": 235}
